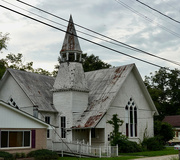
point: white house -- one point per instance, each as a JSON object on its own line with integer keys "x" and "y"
{"x": 79, "y": 104}
{"x": 19, "y": 131}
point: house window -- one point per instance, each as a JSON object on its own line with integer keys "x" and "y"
{"x": 11, "y": 139}
{"x": 131, "y": 119}
{"x": 48, "y": 121}
{"x": 63, "y": 127}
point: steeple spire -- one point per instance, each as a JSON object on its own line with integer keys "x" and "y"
{"x": 71, "y": 50}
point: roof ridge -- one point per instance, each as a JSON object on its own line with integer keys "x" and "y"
{"x": 28, "y": 72}
{"x": 111, "y": 67}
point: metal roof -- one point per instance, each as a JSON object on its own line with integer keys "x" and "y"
{"x": 104, "y": 85}
{"x": 71, "y": 42}
{"x": 37, "y": 87}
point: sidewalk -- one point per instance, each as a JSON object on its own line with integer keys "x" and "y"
{"x": 159, "y": 158}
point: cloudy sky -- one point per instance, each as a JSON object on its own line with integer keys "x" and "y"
{"x": 127, "y": 21}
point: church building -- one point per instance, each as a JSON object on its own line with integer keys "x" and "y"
{"x": 78, "y": 104}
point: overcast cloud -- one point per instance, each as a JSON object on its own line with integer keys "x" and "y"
{"x": 114, "y": 18}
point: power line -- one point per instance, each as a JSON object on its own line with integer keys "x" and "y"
{"x": 128, "y": 46}
{"x": 81, "y": 37}
{"x": 66, "y": 26}
{"x": 158, "y": 11}
{"x": 148, "y": 19}
{"x": 147, "y": 10}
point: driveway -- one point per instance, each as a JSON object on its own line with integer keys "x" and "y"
{"x": 159, "y": 158}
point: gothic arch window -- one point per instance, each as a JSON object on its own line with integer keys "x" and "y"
{"x": 131, "y": 119}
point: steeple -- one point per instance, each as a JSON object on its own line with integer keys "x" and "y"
{"x": 71, "y": 74}
{"x": 70, "y": 91}
{"x": 71, "y": 50}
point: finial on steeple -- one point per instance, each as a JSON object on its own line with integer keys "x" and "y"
{"x": 71, "y": 50}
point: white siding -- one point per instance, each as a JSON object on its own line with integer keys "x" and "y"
{"x": 131, "y": 88}
{"x": 13, "y": 119}
{"x": 11, "y": 89}
{"x": 70, "y": 104}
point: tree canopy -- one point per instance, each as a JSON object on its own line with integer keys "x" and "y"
{"x": 92, "y": 62}
{"x": 164, "y": 88}
{"x": 3, "y": 40}
{"x": 164, "y": 131}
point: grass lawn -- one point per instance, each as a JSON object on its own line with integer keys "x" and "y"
{"x": 105, "y": 158}
{"x": 126, "y": 156}
{"x": 166, "y": 151}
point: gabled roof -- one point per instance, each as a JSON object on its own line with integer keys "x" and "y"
{"x": 18, "y": 118}
{"x": 37, "y": 87}
{"x": 173, "y": 120}
{"x": 104, "y": 85}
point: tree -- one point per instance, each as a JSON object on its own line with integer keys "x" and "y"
{"x": 164, "y": 131}
{"x": 3, "y": 45}
{"x": 164, "y": 88}
{"x": 91, "y": 63}
{"x": 115, "y": 134}
{"x": 3, "y": 40}
{"x": 15, "y": 61}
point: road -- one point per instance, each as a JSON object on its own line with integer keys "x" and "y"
{"x": 169, "y": 157}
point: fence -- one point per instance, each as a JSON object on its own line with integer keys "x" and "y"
{"x": 85, "y": 149}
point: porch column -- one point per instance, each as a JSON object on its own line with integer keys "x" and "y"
{"x": 90, "y": 136}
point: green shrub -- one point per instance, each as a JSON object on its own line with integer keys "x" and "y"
{"x": 6, "y": 155}
{"x": 17, "y": 155}
{"x": 163, "y": 130}
{"x": 43, "y": 154}
{"x": 23, "y": 155}
{"x": 126, "y": 146}
{"x": 152, "y": 144}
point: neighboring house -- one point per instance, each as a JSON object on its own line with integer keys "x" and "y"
{"x": 79, "y": 104}
{"x": 19, "y": 131}
{"x": 174, "y": 121}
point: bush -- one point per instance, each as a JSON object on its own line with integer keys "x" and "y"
{"x": 163, "y": 130}
{"x": 126, "y": 146}
{"x": 17, "y": 155}
{"x": 43, "y": 154}
{"x": 6, "y": 155}
{"x": 152, "y": 144}
{"x": 23, "y": 155}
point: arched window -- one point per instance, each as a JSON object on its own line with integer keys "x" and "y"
{"x": 131, "y": 119}
{"x": 127, "y": 120}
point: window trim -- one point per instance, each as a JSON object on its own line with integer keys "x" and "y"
{"x": 30, "y": 139}
{"x": 48, "y": 121}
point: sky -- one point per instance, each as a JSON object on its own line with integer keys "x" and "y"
{"x": 126, "y": 21}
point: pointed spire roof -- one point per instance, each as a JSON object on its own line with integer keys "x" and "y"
{"x": 71, "y": 43}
